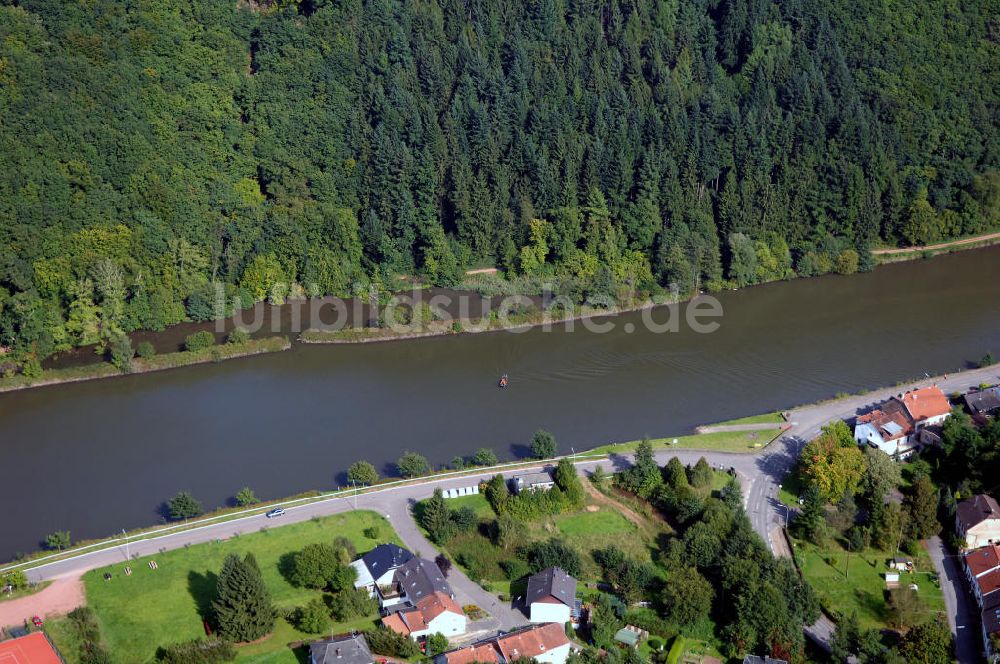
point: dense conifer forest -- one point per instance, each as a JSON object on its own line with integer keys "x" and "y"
{"x": 152, "y": 149}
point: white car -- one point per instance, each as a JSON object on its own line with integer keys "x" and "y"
{"x": 277, "y": 511}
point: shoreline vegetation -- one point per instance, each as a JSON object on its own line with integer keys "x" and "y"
{"x": 494, "y": 321}
{"x": 140, "y": 365}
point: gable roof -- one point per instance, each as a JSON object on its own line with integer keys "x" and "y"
{"x": 532, "y": 642}
{"x": 989, "y": 587}
{"x": 925, "y": 403}
{"x": 891, "y": 423}
{"x": 478, "y": 652}
{"x": 973, "y": 511}
{"x": 351, "y": 649}
{"x": 420, "y": 578}
{"x": 984, "y": 401}
{"x": 434, "y": 605}
{"x": 31, "y": 649}
{"x": 983, "y": 559}
{"x": 754, "y": 659}
{"x": 405, "y": 622}
{"x": 385, "y": 557}
{"x": 551, "y": 582}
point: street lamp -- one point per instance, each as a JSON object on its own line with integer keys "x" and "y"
{"x": 127, "y": 556}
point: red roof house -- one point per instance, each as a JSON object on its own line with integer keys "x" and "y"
{"x": 31, "y": 649}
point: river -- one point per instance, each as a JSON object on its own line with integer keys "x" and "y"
{"x": 100, "y": 456}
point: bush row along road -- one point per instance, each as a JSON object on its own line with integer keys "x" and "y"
{"x": 760, "y": 474}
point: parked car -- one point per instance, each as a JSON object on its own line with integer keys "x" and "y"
{"x": 37, "y": 622}
{"x": 277, "y": 511}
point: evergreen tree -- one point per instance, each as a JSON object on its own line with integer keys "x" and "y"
{"x": 242, "y": 605}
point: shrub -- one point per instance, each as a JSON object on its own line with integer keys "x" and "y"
{"x": 200, "y": 651}
{"x": 58, "y": 540}
{"x": 543, "y": 444}
{"x": 464, "y": 519}
{"x": 437, "y": 643}
{"x": 183, "y": 506}
{"x": 515, "y": 568}
{"x": 145, "y": 350}
{"x": 122, "y": 353}
{"x": 412, "y": 464}
{"x": 385, "y": 642}
{"x": 484, "y": 456}
{"x": 553, "y": 553}
{"x": 199, "y": 341}
{"x": 238, "y": 336}
{"x": 352, "y": 603}
{"x": 363, "y": 473}
{"x": 313, "y": 618}
{"x": 314, "y": 566}
{"x": 371, "y": 532}
{"x": 246, "y": 497}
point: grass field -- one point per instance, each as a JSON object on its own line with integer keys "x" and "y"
{"x": 767, "y": 418}
{"x": 859, "y": 585}
{"x": 722, "y": 441}
{"x": 151, "y": 608}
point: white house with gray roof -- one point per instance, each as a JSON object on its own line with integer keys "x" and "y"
{"x": 376, "y": 568}
{"x": 551, "y": 596}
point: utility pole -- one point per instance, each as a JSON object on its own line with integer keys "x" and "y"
{"x": 127, "y": 556}
{"x": 355, "y": 484}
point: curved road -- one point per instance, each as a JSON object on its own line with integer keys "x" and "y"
{"x": 760, "y": 473}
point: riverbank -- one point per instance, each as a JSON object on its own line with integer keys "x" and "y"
{"x": 493, "y": 323}
{"x": 896, "y": 254}
{"x": 220, "y": 353}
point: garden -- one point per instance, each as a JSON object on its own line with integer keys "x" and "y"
{"x": 168, "y": 603}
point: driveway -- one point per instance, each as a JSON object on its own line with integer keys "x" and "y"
{"x": 961, "y": 608}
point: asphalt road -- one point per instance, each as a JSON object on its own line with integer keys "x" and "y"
{"x": 760, "y": 473}
{"x": 958, "y": 602}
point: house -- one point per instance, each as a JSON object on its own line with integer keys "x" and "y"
{"x": 547, "y": 644}
{"x": 349, "y": 649}
{"x": 419, "y": 601}
{"x": 551, "y": 597}
{"x": 977, "y": 519}
{"x": 987, "y": 590}
{"x": 927, "y": 406}
{"x": 540, "y": 481}
{"x": 35, "y": 648}
{"x": 981, "y": 561}
{"x": 376, "y": 567}
{"x": 754, "y": 659}
{"x": 991, "y": 634}
{"x": 983, "y": 404}
{"x": 436, "y": 613}
{"x": 897, "y": 426}
{"x": 888, "y": 428}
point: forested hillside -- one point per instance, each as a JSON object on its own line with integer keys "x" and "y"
{"x": 149, "y": 149}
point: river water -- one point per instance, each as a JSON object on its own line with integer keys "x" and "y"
{"x": 100, "y": 456}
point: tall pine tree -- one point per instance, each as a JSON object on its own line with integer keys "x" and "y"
{"x": 242, "y": 605}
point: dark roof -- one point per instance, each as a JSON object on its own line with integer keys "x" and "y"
{"x": 551, "y": 582}
{"x": 421, "y": 578}
{"x": 539, "y": 477}
{"x": 991, "y": 620}
{"x": 977, "y": 509}
{"x": 983, "y": 402}
{"x": 754, "y": 659}
{"x": 341, "y": 650}
{"x": 385, "y": 557}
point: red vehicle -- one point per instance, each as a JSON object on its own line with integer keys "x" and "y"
{"x": 36, "y": 621}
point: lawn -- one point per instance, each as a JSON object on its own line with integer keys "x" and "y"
{"x": 151, "y": 608}
{"x": 858, "y": 585}
{"x": 722, "y": 441}
{"x": 767, "y": 418}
